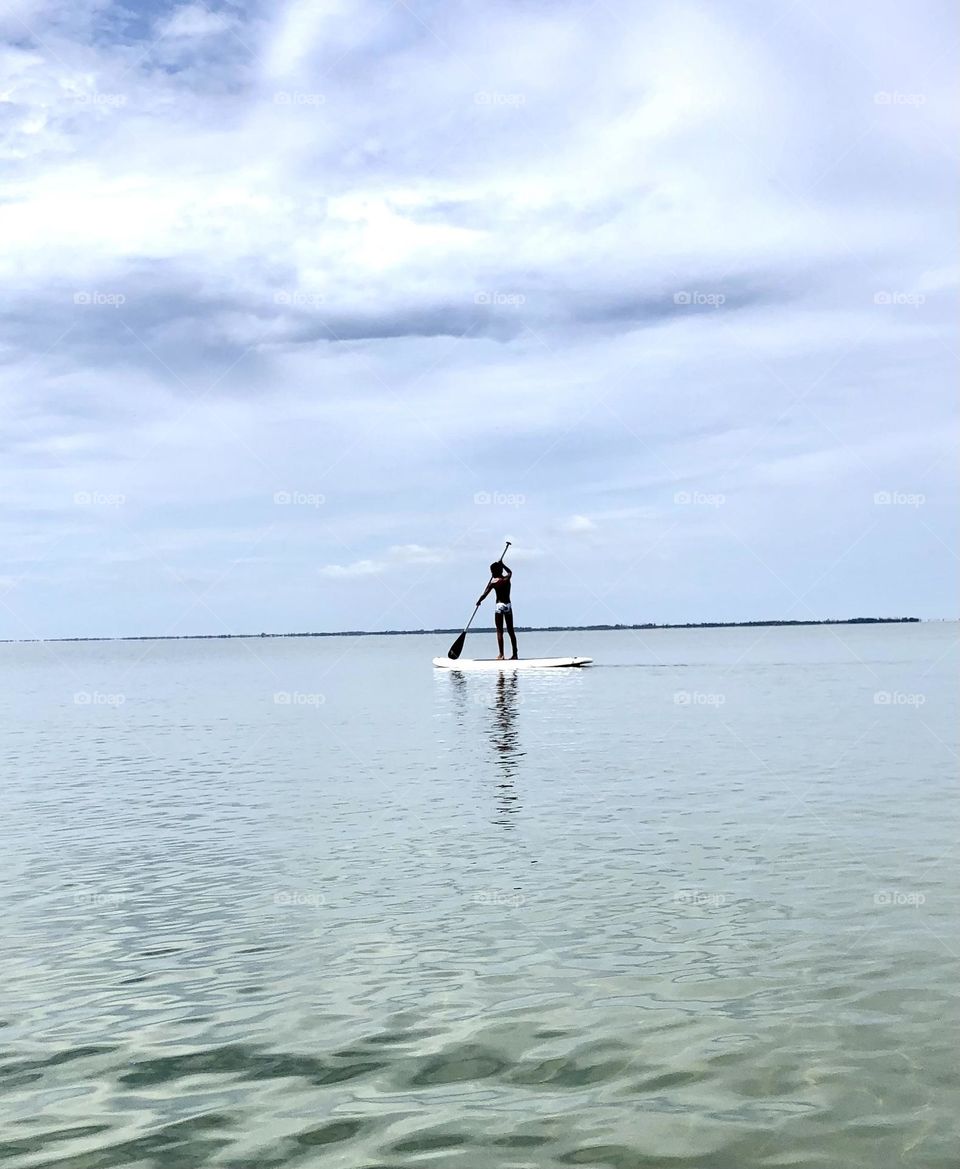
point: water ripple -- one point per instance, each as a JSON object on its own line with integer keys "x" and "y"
{"x": 528, "y": 925}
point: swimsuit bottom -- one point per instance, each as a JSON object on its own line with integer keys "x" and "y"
{"x": 503, "y": 607}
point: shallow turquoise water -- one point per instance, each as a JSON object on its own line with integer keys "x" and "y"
{"x": 308, "y": 901}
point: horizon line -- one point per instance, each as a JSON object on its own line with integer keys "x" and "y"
{"x": 604, "y": 628}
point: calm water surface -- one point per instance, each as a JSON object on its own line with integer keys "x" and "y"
{"x": 310, "y": 902}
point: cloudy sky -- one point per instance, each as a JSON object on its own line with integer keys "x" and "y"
{"x": 309, "y": 306}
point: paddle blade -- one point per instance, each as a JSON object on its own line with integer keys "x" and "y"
{"x": 456, "y": 649}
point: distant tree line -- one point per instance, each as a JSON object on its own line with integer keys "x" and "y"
{"x": 486, "y": 629}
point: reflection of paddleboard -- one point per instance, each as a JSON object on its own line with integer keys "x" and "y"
{"x": 493, "y": 664}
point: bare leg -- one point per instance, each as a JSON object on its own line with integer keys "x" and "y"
{"x": 499, "y": 621}
{"x": 513, "y": 636}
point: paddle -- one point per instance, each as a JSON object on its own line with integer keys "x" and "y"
{"x": 456, "y": 649}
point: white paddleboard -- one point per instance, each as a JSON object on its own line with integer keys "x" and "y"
{"x": 521, "y": 664}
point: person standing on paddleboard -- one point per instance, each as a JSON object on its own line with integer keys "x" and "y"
{"x": 500, "y": 583}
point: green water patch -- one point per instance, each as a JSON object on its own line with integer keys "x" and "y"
{"x": 622, "y": 1157}
{"x": 328, "y": 1134}
{"x": 173, "y": 1146}
{"x": 465, "y": 1062}
{"x": 60, "y": 1057}
{"x": 667, "y": 1080}
{"x": 593, "y": 1064}
{"x": 432, "y": 1141}
{"x": 248, "y": 1063}
{"x": 36, "y": 1144}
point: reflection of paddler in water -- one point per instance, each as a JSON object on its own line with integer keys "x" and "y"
{"x": 506, "y": 739}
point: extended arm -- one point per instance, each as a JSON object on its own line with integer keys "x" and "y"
{"x": 485, "y": 592}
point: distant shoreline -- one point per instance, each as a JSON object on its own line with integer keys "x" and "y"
{"x": 478, "y": 629}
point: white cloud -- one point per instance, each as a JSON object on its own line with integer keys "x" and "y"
{"x": 396, "y": 556}
{"x": 398, "y": 266}
{"x": 192, "y": 20}
{"x": 415, "y": 554}
{"x": 577, "y": 524}
{"x": 357, "y": 568}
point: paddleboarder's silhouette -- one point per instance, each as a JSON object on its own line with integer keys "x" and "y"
{"x": 500, "y": 577}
